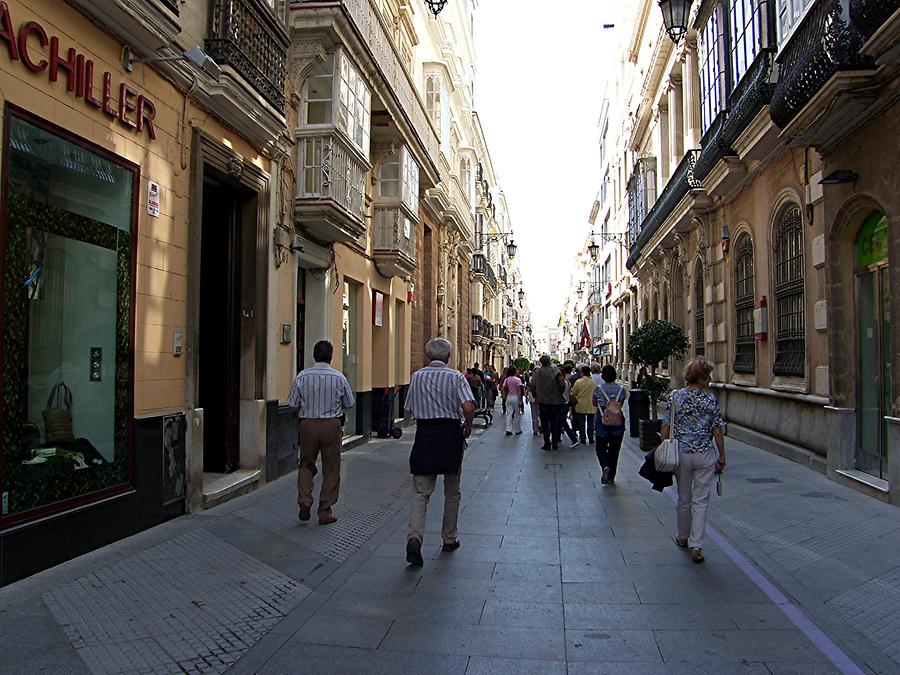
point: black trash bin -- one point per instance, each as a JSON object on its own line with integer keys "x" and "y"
{"x": 638, "y": 409}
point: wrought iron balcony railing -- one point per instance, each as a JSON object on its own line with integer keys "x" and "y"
{"x": 681, "y": 182}
{"x": 246, "y": 35}
{"x": 481, "y": 266}
{"x": 752, "y": 94}
{"x": 501, "y": 333}
{"x": 331, "y": 170}
{"x": 870, "y": 15}
{"x": 476, "y": 325}
{"x": 487, "y": 330}
{"x": 823, "y": 44}
{"x": 394, "y": 232}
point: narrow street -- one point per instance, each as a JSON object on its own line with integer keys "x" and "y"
{"x": 555, "y": 575}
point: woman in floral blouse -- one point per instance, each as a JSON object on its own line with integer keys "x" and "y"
{"x": 700, "y": 432}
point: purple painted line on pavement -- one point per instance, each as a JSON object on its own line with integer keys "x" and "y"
{"x": 803, "y": 623}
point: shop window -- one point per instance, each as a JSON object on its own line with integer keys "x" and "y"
{"x": 67, "y": 322}
{"x": 790, "y": 321}
{"x": 744, "y": 294}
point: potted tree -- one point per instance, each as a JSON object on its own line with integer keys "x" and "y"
{"x": 648, "y": 346}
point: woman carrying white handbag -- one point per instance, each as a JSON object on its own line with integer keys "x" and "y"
{"x": 699, "y": 430}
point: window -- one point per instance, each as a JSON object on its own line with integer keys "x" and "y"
{"x": 389, "y": 176}
{"x": 744, "y": 296}
{"x": 354, "y": 108}
{"x": 699, "y": 314}
{"x": 712, "y": 67}
{"x": 465, "y": 177}
{"x": 67, "y": 332}
{"x": 790, "y": 328}
{"x": 410, "y": 181}
{"x": 745, "y": 35}
{"x": 318, "y": 93}
{"x": 437, "y": 104}
{"x": 398, "y": 178}
{"x": 789, "y": 14}
{"x": 641, "y": 195}
{"x": 479, "y": 231}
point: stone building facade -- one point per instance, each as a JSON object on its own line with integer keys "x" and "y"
{"x": 745, "y": 194}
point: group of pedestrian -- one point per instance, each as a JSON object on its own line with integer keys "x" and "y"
{"x": 443, "y": 401}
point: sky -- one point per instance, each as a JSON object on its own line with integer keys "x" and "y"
{"x": 539, "y": 87}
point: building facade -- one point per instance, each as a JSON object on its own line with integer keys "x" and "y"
{"x": 135, "y": 191}
{"x": 746, "y": 206}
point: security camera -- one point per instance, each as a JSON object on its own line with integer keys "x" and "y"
{"x": 205, "y": 61}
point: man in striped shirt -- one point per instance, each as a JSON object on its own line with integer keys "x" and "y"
{"x": 441, "y": 400}
{"x": 321, "y": 393}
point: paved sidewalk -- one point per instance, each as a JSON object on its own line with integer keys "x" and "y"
{"x": 557, "y": 574}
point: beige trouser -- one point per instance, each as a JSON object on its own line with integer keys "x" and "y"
{"x": 695, "y": 475}
{"x": 422, "y": 488}
{"x": 319, "y": 436}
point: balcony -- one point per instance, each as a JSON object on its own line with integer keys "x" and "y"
{"x": 500, "y": 334}
{"x": 247, "y": 37}
{"x": 820, "y": 65}
{"x": 870, "y": 16}
{"x": 482, "y": 267}
{"x": 682, "y": 184}
{"x": 401, "y": 97}
{"x": 395, "y": 242}
{"x": 476, "y": 327}
{"x": 330, "y": 198}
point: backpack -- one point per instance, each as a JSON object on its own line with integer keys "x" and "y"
{"x": 612, "y": 412}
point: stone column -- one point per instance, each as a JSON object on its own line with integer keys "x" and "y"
{"x": 663, "y": 156}
{"x": 676, "y": 122}
{"x": 690, "y": 98}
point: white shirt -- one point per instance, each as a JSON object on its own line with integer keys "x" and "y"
{"x": 437, "y": 392}
{"x": 320, "y": 392}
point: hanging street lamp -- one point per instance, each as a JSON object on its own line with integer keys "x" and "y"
{"x": 521, "y": 296}
{"x": 594, "y": 250}
{"x": 435, "y": 6}
{"x": 511, "y": 249}
{"x": 675, "y": 17}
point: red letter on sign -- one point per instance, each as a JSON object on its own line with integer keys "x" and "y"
{"x": 107, "y": 97}
{"x": 126, "y": 106}
{"x": 68, "y": 65}
{"x": 6, "y": 32}
{"x": 146, "y": 113}
{"x": 37, "y": 29}
{"x": 89, "y": 84}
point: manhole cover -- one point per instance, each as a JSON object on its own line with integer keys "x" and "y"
{"x": 763, "y": 480}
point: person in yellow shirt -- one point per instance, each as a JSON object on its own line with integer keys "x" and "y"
{"x": 585, "y": 410}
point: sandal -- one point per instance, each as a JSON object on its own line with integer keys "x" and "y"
{"x": 697, "y": 555}
{"x": 679, "y": 542}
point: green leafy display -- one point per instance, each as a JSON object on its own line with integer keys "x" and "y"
{"x": 650, "y": 345}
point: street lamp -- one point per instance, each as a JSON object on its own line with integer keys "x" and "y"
{"x": 521, "y": 296}
{"x": 435, "y": 6}
{"x": 594, "y": 250}
{"x": 511, "y": 249}
{"x": 675, "y": 17}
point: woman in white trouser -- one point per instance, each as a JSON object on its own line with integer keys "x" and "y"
{"x": 512, "y": 387}
{"x": 700, "y": 432}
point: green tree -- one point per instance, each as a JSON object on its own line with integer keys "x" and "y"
{"x": 522, "y": 363}
{"x": 651, "y": 344}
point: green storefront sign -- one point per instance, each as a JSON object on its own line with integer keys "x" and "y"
{"x": 872, "y": 241}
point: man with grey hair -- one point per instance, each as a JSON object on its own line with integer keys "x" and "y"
{"x": 548, "y": 385}
{"x": 441, "y": 400}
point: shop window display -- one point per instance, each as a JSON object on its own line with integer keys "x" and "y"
{"x": 67, "y": 322}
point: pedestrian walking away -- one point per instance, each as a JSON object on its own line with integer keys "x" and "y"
{"x": 585, "y": 409}
{"x": 699, "y": 429}
{"x": 535, "y": 409}
{"x": 322, "y": 394}
{"x": 441, "y": 401}
{"x": 547, "y": 385}
{"x": 609, "y": 423}
{"x": 567, "y": 407}
{"x": 476, "y": 381}
{"x": 512, "y": 386}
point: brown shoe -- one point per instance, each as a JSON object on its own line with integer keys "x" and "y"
{"x": 451, "y": 545}
{"x": 304, "y": 512}
{"x": 414, "y": 552}
{"x": 697, "y": 555}
{"x": 327, "y": 517}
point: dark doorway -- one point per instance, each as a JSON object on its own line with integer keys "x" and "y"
{"x": 300, "y": 329}
{"x": 219, "y": 347}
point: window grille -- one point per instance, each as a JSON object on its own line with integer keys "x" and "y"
{"x": 699, "y": 315}
{"x": 745, "y": 342}
{"x": 790, "y": 322}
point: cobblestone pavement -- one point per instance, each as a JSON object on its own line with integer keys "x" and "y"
{"x": 557, "y": 574}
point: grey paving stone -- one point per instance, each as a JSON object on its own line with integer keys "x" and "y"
{"x": 617, "y": 591}
{"x": 619, "y": 645}
{"x": 802, "y": 669}
{"x": 485, "y": 665}
{"x": 522, "y": 614}
{"x": 427, "y": 609}
{"x": 733, "y": 645}
{"x": 491, "y": 554}
{"x": 520, "y": 571}
{"x": 518, "y": 542}
{"x": 581, "y": 571}
{"x": 343, "y": 630}
{"x": 499, "y": 589}
{"x": 614, "y": 667}
{"x": 646, "y": 617}
{"x": 328, "y": 660}
{"x": 526, "y": 643}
